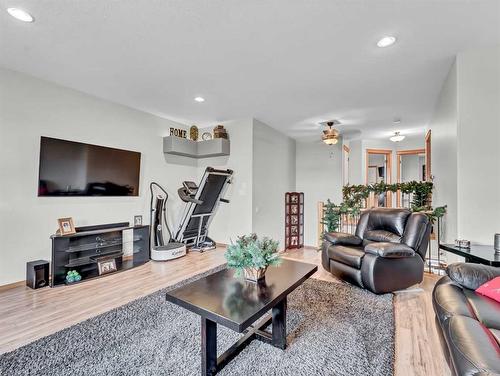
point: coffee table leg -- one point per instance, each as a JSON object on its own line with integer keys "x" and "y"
{"x": 208, "y": 347}
{"x": 279, "y": 325}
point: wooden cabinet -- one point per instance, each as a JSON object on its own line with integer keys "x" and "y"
{"x": 294, "y": 220}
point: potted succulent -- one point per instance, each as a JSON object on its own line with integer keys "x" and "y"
{"x": 251, "y": 256}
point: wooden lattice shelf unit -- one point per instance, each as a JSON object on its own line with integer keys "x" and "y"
{"x": 294, "y": 220}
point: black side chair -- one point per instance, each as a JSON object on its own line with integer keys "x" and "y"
{"x": 386, "y": 254}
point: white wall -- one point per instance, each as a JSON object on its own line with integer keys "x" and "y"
{"x": 273, "y": 176}
{"x": 235, "y": 218}
{"x": 465, "y": 153}
{"x": 356, "y": 175}
{"x": 30, "y": 108}
{"x": 443, "y": 127}
{"x": 319, "y": 176}
{"x": 478, "y": 173}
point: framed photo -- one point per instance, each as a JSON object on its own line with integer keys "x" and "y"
{"x": 137, "y": 220}
{"x": 106, "y": 266}
{"x": 66, "y": 226}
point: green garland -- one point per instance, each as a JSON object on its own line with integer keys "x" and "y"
{"x": 354, "y": 195}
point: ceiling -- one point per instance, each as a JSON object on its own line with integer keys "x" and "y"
{"x": 288, "y": 63}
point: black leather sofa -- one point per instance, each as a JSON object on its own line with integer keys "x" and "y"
{"x": 469, "y": 322}
{"x": 386, "y": 253}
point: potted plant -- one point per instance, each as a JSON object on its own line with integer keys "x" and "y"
{"x": 251, "y": 256}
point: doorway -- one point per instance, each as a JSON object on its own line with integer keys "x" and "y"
{"x": 379, "y": 169}
{"x": 412, "y": 166}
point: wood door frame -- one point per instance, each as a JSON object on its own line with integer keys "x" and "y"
{"x": 388, "y": 180}
{"x": 345, "y": 150}
{"x": 399, "y": 153}
{"x": 428, "y": 147}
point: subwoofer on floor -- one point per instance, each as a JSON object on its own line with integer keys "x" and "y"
{"x": 37, "y": 274}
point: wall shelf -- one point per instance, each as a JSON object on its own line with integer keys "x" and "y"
{"x": 217, "y": 147}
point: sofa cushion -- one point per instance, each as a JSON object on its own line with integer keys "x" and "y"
{"x": 382, "y": 236}
{"x": 449, "y": 300}
{"x": 471, "y": 276}
{"x": 473, "y": 348}
{"x": 486, "y": 310}
{"x": 350, "y": 256}
{"x": 389, "y": 250}
{"x": 496, "y": 334}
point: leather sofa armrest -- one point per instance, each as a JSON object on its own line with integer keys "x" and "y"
{"x": 389, "y": 250}
{"x": 471, "y": 276}
{"x": 342, "y": 238}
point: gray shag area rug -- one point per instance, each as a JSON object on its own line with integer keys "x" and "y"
{"x": 332, "y": 329}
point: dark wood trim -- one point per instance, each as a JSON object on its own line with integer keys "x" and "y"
{"x": 211, "y": 364}
{"x": 208, "y": 347}
{"x": 279, "y": 324}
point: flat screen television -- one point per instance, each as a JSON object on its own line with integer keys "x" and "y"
{"x": 69, "y": 168}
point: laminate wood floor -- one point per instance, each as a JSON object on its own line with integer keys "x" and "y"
{"x": 26, "y": 315}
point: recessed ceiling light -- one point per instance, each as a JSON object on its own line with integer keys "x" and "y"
{"x": 20, "y": 14}
{"x": 386, "y": 41}
{"x": 199, "y": 99}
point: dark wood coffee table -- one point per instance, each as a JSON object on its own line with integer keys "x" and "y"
{"x": 222, "y": 299}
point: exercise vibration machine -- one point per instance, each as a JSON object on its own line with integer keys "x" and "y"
{"x": 161, "y": 250}
{"x": 201, "y": 205}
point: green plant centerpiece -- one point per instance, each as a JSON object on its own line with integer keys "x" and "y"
{"x": 251, "y": 256}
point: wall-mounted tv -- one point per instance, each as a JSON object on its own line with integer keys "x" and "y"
{"x": 70, "y": 168}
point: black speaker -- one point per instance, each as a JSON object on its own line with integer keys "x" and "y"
{"x": 37, "y": 274}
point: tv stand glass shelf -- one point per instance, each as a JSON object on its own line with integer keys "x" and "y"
{"x": 127, "y": 245}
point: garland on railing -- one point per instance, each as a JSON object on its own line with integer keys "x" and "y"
{"x": 354, "y": 195}
{"x": 332, "y": 214}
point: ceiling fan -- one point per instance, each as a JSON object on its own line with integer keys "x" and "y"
{"x": 331, "y": 135}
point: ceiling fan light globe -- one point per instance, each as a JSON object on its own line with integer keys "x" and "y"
{"x": 397, "y": 137}
{"x": 330, "y": 140}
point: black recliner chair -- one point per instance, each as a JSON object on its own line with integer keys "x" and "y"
{"x": 386, "y": 254}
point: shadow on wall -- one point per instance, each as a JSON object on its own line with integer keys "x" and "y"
{"x": 180, "y": 160}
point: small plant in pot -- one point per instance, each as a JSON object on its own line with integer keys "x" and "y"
{"x": 251, "y": 256}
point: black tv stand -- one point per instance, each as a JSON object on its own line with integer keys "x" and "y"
{"x": 82, "y": 250}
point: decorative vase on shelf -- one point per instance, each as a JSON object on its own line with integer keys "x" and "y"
{"x": 251, "y": 257}
{"x": 193, "y": 133}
